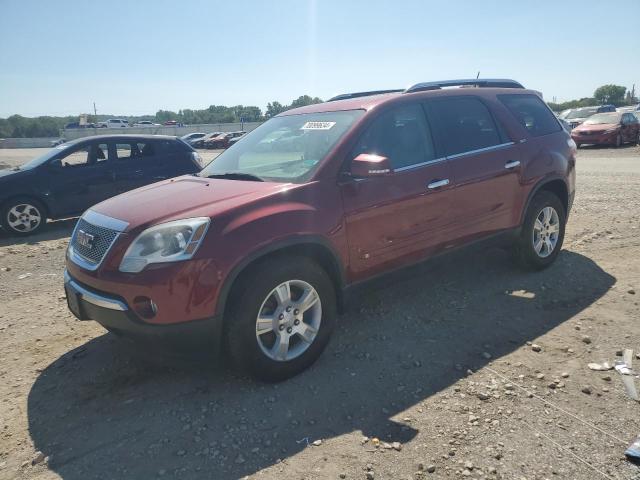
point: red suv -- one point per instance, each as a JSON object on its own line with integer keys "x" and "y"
{"x": 256, "y": 252}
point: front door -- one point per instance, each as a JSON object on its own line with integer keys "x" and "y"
{"x": 394, "y": 219}
{"x": 80, "y": 178}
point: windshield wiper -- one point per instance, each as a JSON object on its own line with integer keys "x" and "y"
{"x": 236, "y": 176}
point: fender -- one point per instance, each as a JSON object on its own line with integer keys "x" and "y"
{"x": 541, "y": 183}
{"x": 288, "y": 242}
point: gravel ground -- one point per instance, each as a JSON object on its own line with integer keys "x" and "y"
{"x": 464, "y": 367}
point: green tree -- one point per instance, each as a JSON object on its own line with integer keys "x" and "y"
{"x": 274, "y": 109}
{"x": 303, "y": 101}
{"x": 613, "y": 94}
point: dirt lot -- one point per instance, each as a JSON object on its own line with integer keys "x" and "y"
{"x": 438, "y": 359}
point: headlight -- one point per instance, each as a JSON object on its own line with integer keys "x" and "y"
{"x": 167, "y": 242}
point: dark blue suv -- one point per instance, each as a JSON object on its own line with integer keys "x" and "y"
{"x": 71, "y": 177}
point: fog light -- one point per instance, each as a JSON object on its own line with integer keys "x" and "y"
{"x": 145, "y": 307}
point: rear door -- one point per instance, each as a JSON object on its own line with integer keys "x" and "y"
{"x": 396, "y": 218}
{"x": 82, "y": 178}
{"x": 139, "y": 162}
{"x": 484, "y": 162}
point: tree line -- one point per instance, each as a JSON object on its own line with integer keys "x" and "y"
{"x": 605, "y": 95}
{"x": 17, "y": 126}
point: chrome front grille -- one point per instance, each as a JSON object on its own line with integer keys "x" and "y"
{"x": 92, "y": 238}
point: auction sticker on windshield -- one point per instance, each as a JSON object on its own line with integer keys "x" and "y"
{"x": 317, "y": 126}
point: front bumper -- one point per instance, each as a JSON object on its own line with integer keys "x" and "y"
{"x": 113, "y": 313}
{"x": 600, "y": 139}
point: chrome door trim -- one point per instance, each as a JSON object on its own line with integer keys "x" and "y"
{"x": 438, "y": 184}
{"x": 512, "y": 164}
{"x": 480, "y": 150}
{"x": 418, "y": 165}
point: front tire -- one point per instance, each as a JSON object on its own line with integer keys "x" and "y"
{"x": 542, "y": 232}
{"x": 618, "y": 141}
{"x": 281, "y": 317}
{"x": 22, "y": 216}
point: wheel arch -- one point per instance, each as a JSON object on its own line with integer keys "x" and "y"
{"x": 7, "y": 200}
{"x": 556, "y": 185}
{"x": 314, "y": 247}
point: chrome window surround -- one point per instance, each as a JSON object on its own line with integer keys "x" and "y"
{"x": 99, "y": 220}
{"x": 453, "y": 157}
{"x": 95, "y": 298}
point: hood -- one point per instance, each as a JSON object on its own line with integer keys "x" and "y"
{"x": 599, "y": 126}
{"x": 184, "y": 197}
{"x": 10, "y": 174}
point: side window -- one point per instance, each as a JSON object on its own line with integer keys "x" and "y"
{"x": 85, "y": 156}
{"x": 124, "y": 151}
{"x": 401, "y": 134}
{"x": 532, "y": 114}
{"x": 465, "y": 124}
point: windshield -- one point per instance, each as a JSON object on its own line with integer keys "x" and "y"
{"x": 582, "y": 113}
{"x": 287, "y": 148}
{"x": 602, "y": 118}
{"x": 45, "y": 157}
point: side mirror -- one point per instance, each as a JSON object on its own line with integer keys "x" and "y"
{"x": 368, "y": 165}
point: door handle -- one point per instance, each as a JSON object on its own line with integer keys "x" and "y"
{"x": 512, "y": 164}
{"x": 438, "y": 184}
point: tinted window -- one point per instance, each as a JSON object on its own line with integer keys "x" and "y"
{"x": 86, "y": 155}
{"x": 464, "y": 124}
{"x": 532, "y": 113}
{"x": 402, "y": 135}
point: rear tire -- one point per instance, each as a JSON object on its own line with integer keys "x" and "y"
{"x": 542, "y": 232}
{"x": 280, "y": 319}
{"x": 22, "y": 216}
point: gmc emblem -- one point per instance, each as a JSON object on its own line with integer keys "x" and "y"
{"x": 85, "y": 239}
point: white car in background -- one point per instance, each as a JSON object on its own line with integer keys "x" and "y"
{"x": 145, "y": 123}
{"x": 114, "y": 123}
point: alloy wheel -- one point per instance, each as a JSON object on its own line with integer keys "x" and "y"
{"x": 288, "y": 320}
{"x": 546, "y": 230}
{"x": 24, "y": 217}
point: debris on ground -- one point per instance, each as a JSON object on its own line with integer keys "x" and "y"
{"x": 633, "y": 452}
{"x": 600, "y": 366}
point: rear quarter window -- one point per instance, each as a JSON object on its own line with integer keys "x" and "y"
{"x": 532, "y": 113}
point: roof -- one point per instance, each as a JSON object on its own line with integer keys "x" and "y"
{"x": 127, "y": 136}
{"x": 369, "y": 102}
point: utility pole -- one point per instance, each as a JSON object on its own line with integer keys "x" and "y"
{"x": 95, "y": 112}
{"x": 478, "y": 75}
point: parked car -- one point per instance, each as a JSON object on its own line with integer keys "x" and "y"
{"x": 578, "y": 115}
{"x": 170, "y": 123}
{"x": 146, "y": 123}
{"x": 258, "y": 250}
{"x": 222, "y": 140}
{"x": 234, "y": 140}
{"x": 608, "y": 129}
{"x": 57, "y": 141}
{"x": 189, "y": 137}
{"x": 71, "y": 177}
{"x": 114, "y": 123}
{"x": 199, "y": 142}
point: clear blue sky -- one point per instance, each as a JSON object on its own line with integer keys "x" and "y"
{"x": 135, "y": 57}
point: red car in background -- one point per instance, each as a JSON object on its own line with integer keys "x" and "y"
{"x": 615, "y": 128}
{"x": 222, "y": 140}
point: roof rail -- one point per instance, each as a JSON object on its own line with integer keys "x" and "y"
{"x": 470, "y": 82}
{"x": 345, "y": 96}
